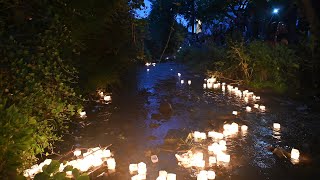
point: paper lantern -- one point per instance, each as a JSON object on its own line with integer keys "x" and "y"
{"x": 248, "y": 108}
{"x": 211, "y": 175}
{"x": 276, "y": 126}
{"x": 133, "y": 168}
{"x": 107, "y": 98}
{"x": 189, "y": 82}
{"x": 111, "y": 162}
{"x": 171, "y": 176}
{"x": 295, "y": 154}
{"x": 142, "y": 168}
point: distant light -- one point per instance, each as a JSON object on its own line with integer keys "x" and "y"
{"x": 275, "y": 11}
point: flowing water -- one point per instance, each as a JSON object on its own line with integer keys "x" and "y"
{"x": 128, "y": 125}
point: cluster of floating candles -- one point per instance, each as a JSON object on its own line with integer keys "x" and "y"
{"x": 93, "y": 157}
{"x": 164, "y": 175}
{"x": 138, "y": 170}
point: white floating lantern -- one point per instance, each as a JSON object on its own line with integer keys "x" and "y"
{"x": 244, "y": 128}
{"x": 248, "y": 108}
{"x": 179, "y": 74}
{"x": 148, "y": 64}
{"x": 133, "y": 168}
{"x": 163, "y": 173}
{"x": 142, "y": 176}
{"x": 96, "y": 161}
{"x": 106, "y": 153}
{"x": 256, "y": 106}
{"x": 107, "y": 98}
{"x": 202, "y": 175}
{"x": 189, "y": 82}
{"x": 234, "y": 112}
{"x": 211, "y": 175}
{"x": 148, "y": 70}
{"x": 222, "y": 157}
{"x": 161, "y": 178}
{"x": 182, "y": 81}
{"x": 153, "y": 64}
{"x": 77, "y": 152}
{"x": 142, "y": 168}
{"x": 203, "y": 136}
{"x": 262, "y": 108}
{"x": 204, "y": 86}
{"x": 295, "y": 154}
{"x": 69, "y": 174}
{"x": 222, "y": 142}
{"x": 111, "y": 162}
{"x": 276, "y": 126}
{"x": 83, "y": 114}
{"x": 171, "y": 176}
{"x": 136, "y": 177}
{"x": 257, "y": 97}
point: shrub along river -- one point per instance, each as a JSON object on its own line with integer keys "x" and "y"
{"x": 136, "y": 129}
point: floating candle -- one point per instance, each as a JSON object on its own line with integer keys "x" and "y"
{"x": 171, "y": 176}
{"x": 262, "y": 108}
{"x": 133, "y": 168}
{"x": 234, "y": 112}
{"x": 295, "y": 154}
{"x": 204, "y": 86}
{"x": 142, "y": 168}
{"x": 276, "y": 126}
{"x": 111, "y": 162}
{"x": 244, "y": 128}
{"x": 179, "y": 74}
{"x": 211, "y": 175}
{"x": 189, "y": 82}
{"x": 77, "y": 152}
{"x": 182, "y": 81}
{"x": 107, "y": 98}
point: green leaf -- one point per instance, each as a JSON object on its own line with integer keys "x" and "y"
{"x": 76, "y": 173}
{"x": 60, "y": 176}
{"x": 53, "y": 167}
{"x": 41, "y": 176}
{"x": 68, "y": 168}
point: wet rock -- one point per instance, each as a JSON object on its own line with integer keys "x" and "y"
{"x": 165, "y": 108}
{"x": 175, "y": 135}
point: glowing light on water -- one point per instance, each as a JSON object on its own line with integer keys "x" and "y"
{"x": 276, "y": 126}
{"x": 295, "y": 154}
{"x": 248, "y": 109}
{"x": 83, "y": 114}
{"x": 179, "y": 74}
{"x": 189, "y": 82}
{"x": 182, "y": 81}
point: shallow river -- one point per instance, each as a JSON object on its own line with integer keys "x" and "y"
{"x": 128, "y": 125}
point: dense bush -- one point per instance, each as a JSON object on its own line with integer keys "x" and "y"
{"x": 37, "y": 98}
{"x": 257, "y": 64}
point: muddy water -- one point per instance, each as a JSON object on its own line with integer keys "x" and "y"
{"x": 128, "y": 125}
